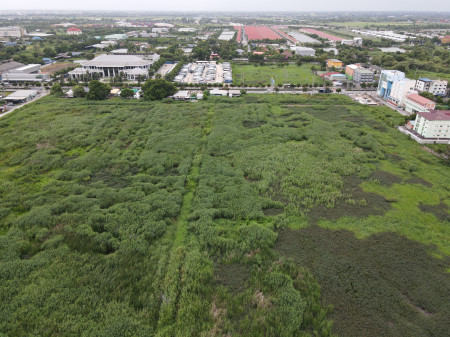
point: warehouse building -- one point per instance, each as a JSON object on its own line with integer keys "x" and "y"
{"x": 12, "y": 32}
{"x": 303, "y": 51}
{"x": 7, "y": 66}
{"x": 21, "y": 96}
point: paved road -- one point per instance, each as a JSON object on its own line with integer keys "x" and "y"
{"x": 42, "y": 94}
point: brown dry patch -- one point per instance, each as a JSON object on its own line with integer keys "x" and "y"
{"x": 385, "y": 178}
{"x": 260, "y": 300}
{"x": 45, "y": 145}
{"x": 419, "y": 181}
{"x": 440, "y": 211}
{"x": 53, "y": 68}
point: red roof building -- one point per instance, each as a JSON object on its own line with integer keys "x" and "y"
{"x": 416, "y": 103}
{"x": 74, "y": 31}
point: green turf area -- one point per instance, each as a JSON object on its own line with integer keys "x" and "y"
{"x": 269, "y": 215}
{"x": 428, "y": 74}
{"x": 362, "y": 24}
{"x": 290, "y": 74}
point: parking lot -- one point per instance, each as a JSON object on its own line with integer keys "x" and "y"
{"x": 204, "y": 73}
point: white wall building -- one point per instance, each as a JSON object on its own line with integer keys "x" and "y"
{"x": 303, "y": 51}
{"x": 399, "y": 91}
{"x": 113, "y": 65}
{"x": 436, "y": 87}
{"x": 433, "y": 124}
{"x": 416, "y": 103}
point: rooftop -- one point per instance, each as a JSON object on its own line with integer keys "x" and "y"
{"x": 4, "y": 67}
{"x": 436, "y": 115}
{"x": 117, "y": 61}
{"x": 334, "y": 60}
{"x": 21, "y": 94}
{"x": 419, "y": 99}
{"x": 423, "y": 79}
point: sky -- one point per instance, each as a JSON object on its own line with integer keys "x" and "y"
{"x": 231, "y": 5}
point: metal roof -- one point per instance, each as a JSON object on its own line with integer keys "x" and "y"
{"x": 117, "y": 61}
{"x": 21, "y": 94}
{"x": 4, "y": 67}
{"x": 424, "y": 79}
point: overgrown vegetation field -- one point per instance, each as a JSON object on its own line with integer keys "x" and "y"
{"x": 270, "y": 215}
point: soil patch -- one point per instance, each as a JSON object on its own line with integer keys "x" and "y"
{"x": 233, "y": 276}
{"x": 393, "y": 158}
{"x": 252, "y": 124}
{"x": 272, "y": 211}
{"x": 386, "y": 178}
{"x": 418, "y": 180}
{"x": 360, "y": 204}
{"x": 385, "y": 285}
{"x": 440, "y": 211}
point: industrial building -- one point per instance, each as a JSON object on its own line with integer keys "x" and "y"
{"x": 7, "y": 66}
{"x": 303, "y": 51}
{"x": 227, "y": 35}
{"x": 12, "y": 32}
{"x": 24, "y": 73}
{"x": 112, "y": 65}
{"x": 433, "y": 124}
{"x": 436, "y": 87}
{"x": 114, "y": 37}
{"x": 357, "y": 42}
{"x": 21, "y": 96}
{"x": 415, "y": 103}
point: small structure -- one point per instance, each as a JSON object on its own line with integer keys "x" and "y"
{"x": 182, "y": 95}
{"x": 303, "y": 51}
{"x": 21, "y": 96}
{"x": 115, "y": 92}
{"x": 334, "y": 63}
{"x": 74, "y": 31}
{"x": 234, "y": 93}
{"x": 416, "y": 103}
{"x": 218, "y": 92}
{"x": 433, "y": 124}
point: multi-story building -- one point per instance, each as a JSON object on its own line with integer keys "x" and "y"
{"x": 400, "y": 89}
{"x": 393, "y": 86}
{"x": 74, "y": 31}
{"x": 334, "y": 63}
{"x": 12, "y": 32}
{"x": 387, "y": 79}
{"x": 433, "y": 124}
{"x": 417, "y": 103}
{"x": 436, "y": 87}
{"x": 350, "y": 69}
{"x": 362, "y": 75}
{"x": 445, "y": 39}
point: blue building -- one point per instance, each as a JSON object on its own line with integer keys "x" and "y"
{"x": 387, "y": 79}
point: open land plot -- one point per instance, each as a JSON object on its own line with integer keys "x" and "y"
{"x": 263, "y": 74}
{"x": 428, "y": 74}
{"x": 182, "y": 219}
{"x": 322, "y": 34}
{"x": 53, "y": 68}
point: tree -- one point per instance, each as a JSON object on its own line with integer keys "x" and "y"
{"x": 56, "y": 90}
{"x": 126, "y": 93}
{"x": 338, "y": 90}
{"x": 98, "y": 90}
{"x": 158, "y": 89}
{"x": 49, "y": 52}
{"x": 78, "y": 91}
{"x": 427, "y": 94}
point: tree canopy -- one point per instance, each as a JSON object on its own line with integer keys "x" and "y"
{"x": 158, "y": 89}
{"x": 98, "y": 90}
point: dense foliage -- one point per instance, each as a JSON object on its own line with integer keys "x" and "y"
{"x": 139, "y": 218}
{"x": 98, "y": 90}
{"x": 158, "y": 89}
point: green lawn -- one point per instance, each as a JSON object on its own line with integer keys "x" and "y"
{"x": 249, "y": 216}
{"x": 250, "y": 74}
{"x": 428, "y": 74}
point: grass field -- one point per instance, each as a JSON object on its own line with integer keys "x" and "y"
{"x": 251, "y": 74}
{"x": 361, "y": 24}
{"x": 265, "y": 215}
{"x": 428, "y": 74}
